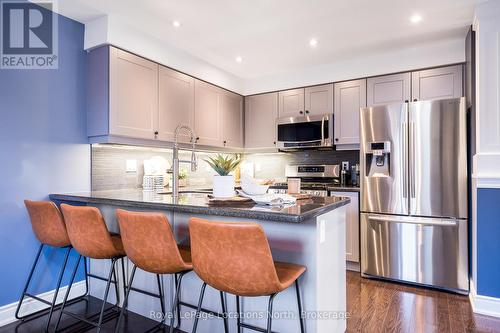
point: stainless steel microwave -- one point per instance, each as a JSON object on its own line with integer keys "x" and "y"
{"x": 305, "y": 132}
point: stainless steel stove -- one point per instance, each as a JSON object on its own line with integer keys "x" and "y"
{"x": 315, "y": 179}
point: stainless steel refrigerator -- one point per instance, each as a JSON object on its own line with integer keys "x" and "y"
{"x": 414, "y": 193}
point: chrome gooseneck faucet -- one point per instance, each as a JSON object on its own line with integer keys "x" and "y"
{"x": 176, "y": 161}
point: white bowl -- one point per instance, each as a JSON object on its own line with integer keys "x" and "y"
{"x": 254, "y": 189}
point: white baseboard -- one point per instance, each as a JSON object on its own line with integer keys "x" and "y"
{"x": 7, "y": 312}
{"x": 485, "y": 305}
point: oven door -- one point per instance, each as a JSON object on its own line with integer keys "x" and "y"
{"x": 304, "y": 132}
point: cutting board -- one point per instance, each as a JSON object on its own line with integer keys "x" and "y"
{"x": 227, "y": 201}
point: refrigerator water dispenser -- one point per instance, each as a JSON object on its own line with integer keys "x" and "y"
{"x": 378, "y": 159}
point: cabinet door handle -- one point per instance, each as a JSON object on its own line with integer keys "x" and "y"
{"x": 156, "y": 134}
{"x": 301, "y": 112}
{"x": 197, "y": 138}
{"x": 415, "y": 100}
{"x": 336, "y": 139}
{"x": 407, "y": 101}
{"x": 307, "y": 112}
{"x": 225, "y": 142}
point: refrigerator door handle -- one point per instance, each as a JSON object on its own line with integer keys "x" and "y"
{"x": 385, "y": 218}
{"x": 405, "y": 159}
{"x": 412, "y": 158}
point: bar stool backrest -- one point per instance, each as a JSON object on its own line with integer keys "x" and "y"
{"x": 88, "y": 232}
{"x": 233, "y": 257}
{"x": 47, "y": 223}
{"x": 149, "y": 242}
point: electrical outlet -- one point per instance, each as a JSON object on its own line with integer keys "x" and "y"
{"x": 345, "y": 165}
{"x": 131, "y": 166}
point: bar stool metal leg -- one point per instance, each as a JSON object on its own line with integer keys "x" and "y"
{"x": 198, "y": 310}
{"x": 175, "y": 304}
{"x": 224, "y": 312}
{"x": 299, "y": 305}
{"x": 72, "y": 279}
{"x": 177, "y": 280}
{"x": 117, "y": 291}
{"x": 59, "y": 280}
{"x": 28, "y": 282}
{"x": 270, "y": 313}
{"x": 106, "y": 292}
{"x": 238, "y": 314}
{"x": 125, "y": 301}
{"x": 160, "y": 292}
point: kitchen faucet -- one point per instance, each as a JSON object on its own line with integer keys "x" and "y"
{"x": 176, "y": 161}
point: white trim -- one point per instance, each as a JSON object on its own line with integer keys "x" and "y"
{"x": 485, "y": 305}
{"x": 487, "y": 180}
{"x": 7, "y": 312}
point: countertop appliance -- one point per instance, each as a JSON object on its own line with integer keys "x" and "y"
{"x": 414, "y": 193}
{"x": 315, "y": 131}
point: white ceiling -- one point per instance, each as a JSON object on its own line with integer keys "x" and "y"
{"x": 273, "y": 36}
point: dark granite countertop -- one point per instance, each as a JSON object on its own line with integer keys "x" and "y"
{"x": 196, "y": 203}
{"x": 343, "y": 188}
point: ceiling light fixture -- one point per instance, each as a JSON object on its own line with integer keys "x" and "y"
{"x": 415, "y": 18}
{"x": 313, "y": 42}
{"x": 239, "y": 59}
{"x": 176, "y": 24}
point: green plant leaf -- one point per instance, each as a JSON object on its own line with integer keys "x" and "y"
{"x": 223, "y": 164}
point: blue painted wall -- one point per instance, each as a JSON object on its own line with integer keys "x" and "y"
{"x": 488, "y": 242}
{"x": 43, "y": 149}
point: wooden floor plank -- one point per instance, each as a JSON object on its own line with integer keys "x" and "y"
{"x": 379, "y": 306}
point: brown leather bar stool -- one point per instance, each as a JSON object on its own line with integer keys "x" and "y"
{"x": 90, "y": 238}
{"x": 48, "y": 226}
{"x": 150, "y": 244}
{"x": 236, "y": 258}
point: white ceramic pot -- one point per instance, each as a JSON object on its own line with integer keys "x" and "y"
{"x": 223, "y": 186}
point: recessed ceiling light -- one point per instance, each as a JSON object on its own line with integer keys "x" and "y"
{"x": 176, "y": 24}
{"x": 415, "y": 18}
{"x": 239, "y": 59}
{"x": 313, "y": 42}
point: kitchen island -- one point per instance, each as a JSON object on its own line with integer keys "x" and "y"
{"x": 310, "y": 232}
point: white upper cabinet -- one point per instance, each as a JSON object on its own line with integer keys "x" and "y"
{"x": 218, "y": 116}
{"x": 133, "y": 101}
{"x": 207, "y": 114}
{"x": 261, "y": 112}
{"x": 437, "y": 83}
{"x": 350, "y": 96}
{"x": 318, "y": 100}
{"x": 232, "y": 119}
{"x": 176, "y": 103}
{"x": 388, "y": 89}
{"x": 291, "y": 103}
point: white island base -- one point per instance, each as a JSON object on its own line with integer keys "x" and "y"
{"x": 317, "y": 243}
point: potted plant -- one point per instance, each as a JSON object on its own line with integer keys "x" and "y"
{"x": 223, "y": 182}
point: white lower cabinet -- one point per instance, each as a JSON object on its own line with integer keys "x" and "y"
{"x": 352, "y": 225}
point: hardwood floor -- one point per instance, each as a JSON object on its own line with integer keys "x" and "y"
{"x": 374, "y": 306}
{"x": 377, "y": 306}
{"x": 131, "y": 322}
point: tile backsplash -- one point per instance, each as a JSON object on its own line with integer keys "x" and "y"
{"x": 110, "y": 164}
{"x": 272, "y": 165}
